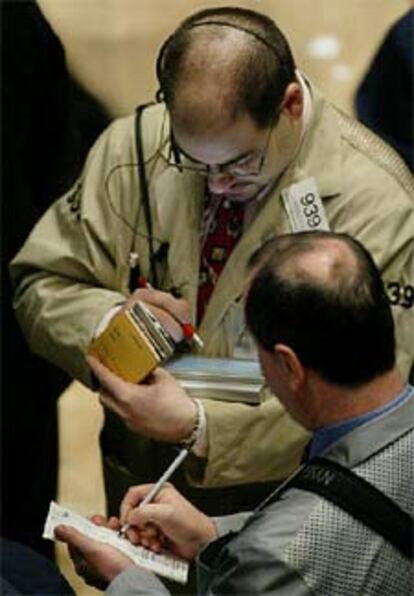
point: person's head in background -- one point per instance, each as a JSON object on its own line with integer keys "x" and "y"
{"x": 318, "y": 310}
{"x": 229, "y": 81}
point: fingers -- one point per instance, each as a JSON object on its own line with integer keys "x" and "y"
{"x": 112, "y": 388}
{"x": 170, "y": 312}
{"x": 114, "y": 393}
{"x": 146, "y": 533}
{"x": 132, "y": 499}
{"x": 160, "y": 375}
{"x": 150, "y": 537}
{"x": 168, "y": 322}
{"x": 107, "y": 379}
{"x": 98, "y": 563}
{"x": 112, "y": 523}
{"x": 98, "y": 520}
{"x": 177, "y": 307}
{"x": 110, "y": 401}
{"x": 154, "y": 513}
{"x": 74, "y": 538}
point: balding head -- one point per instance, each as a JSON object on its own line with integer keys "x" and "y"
{"x": 224, "y": 62}
{"x": 321, "y": 294}
{"x": 325, "y": 260}
{"x": 205, "y": 96}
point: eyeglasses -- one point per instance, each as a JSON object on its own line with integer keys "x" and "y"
{"x": 250, "y": 164}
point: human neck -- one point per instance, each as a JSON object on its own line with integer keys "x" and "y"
{"x": 333, "y": 404}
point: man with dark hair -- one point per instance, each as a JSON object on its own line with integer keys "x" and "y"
{"x": 303, "y": 543}
{"x": 286, "y": 305}
{"x": 243, "y": 148}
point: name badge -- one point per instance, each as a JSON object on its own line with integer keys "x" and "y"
{"x": 304, "y": 206}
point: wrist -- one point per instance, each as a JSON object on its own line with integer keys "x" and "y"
{"x": 207, "y": 533}
{"x": 107, "y": 318}
{"x": 117, "y": 568}
{"x": 197, "y": 425}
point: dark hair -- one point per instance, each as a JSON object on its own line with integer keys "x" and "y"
{"x": 261, "y": 72}
{"x": 341, "y": 327}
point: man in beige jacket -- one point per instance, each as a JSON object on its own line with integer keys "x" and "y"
{"x": 238, "y": 126}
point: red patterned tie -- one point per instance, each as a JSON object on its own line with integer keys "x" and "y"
{"x": 221, "y": 229}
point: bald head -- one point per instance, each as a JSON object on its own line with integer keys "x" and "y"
{"x": 327, "y": 261}
{"x": 205, "y": 95}
{"x": 224, "y": 62}
{"x": 321, "y": 294}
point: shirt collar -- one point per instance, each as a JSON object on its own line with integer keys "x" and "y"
{"x": 325, "y": 436}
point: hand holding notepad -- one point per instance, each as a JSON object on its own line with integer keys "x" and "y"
{"x": 134, "y": 343}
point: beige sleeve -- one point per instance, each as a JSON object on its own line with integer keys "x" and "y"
{"x": 73, "y": 267}
{"x": 256, "y": 443}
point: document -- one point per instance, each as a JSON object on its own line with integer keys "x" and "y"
{"x": 164, "y": 565}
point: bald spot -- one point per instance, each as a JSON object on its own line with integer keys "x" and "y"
{"x": 208, "y": 81}
{"x": 328, "y": 262}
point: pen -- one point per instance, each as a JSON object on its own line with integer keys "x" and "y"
{"x": 160, "y": 483}
{"x": 188, "y": 330}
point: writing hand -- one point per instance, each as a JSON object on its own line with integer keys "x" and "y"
{"x": 169, "y": 522}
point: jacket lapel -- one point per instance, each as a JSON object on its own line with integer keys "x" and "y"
{"x": 178, "y": 200}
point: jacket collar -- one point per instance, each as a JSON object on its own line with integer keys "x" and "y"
{"x": 319, "y": 155}
{"x": 373, "y": 436}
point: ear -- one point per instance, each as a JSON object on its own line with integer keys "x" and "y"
{"x": 292, "y": 367}
{"x": 293, "y": 100}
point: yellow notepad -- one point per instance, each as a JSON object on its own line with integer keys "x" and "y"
{"x": 133, "y": 344}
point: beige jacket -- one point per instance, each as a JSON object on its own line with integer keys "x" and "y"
{"x": 74, "y": 266}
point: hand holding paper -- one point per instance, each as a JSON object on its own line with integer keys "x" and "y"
{"x": 100, "y": 554}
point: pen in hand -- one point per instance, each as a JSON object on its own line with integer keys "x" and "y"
{"x": 160, "y": 483}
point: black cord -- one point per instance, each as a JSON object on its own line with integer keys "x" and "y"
{"x": 144, "y": 193}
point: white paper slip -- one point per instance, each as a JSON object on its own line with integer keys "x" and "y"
{"x": 161, "y": 564}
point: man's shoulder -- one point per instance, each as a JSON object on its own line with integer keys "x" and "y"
{"x": 317, "y": 540}
{"x": 349, "y": 161}
{"x": 373, "y": 154}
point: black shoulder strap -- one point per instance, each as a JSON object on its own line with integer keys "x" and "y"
{"x": 360, "y": 498}
{"x": 144, "y": 194}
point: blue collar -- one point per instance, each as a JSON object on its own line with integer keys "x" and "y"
{"x": 324, "y": 436}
